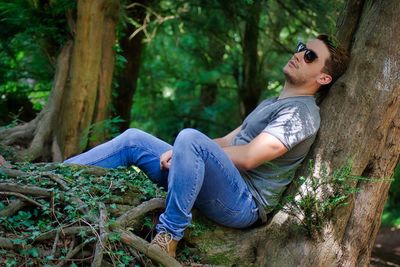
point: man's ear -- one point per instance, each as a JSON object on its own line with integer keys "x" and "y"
{"x": 324, "y": 79}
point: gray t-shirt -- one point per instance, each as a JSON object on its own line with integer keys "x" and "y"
{"x": 295, "y": 122}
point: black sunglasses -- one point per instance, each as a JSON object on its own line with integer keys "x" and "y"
{"x": 309, "y": 55}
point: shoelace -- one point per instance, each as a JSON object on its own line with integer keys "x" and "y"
{"x": 162, "y": 239}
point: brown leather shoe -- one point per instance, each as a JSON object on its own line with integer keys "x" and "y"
{"x": 165, "y": 242}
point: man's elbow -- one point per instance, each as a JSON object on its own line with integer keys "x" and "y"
{"x": 247, "y": 164}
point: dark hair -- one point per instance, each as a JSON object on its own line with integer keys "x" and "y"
{"x": 337, "y": 63}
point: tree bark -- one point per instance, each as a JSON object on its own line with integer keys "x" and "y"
{"x": 250, "y": 90}
{"x": 361, "y": 123}
{"x": 85, "y": 70}
{"x": 102, "y": 109}
{"x": 369, "y": 120}
{"x": 132, "y": 51}
{"x": 38, "y": 133}
{"x": 216, "y": 50}
{"x": 83, "y": 74}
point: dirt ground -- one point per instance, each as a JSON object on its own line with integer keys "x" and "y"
{"x": 386, "y": 252}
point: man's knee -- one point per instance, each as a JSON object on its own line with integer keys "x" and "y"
{"x": 190, "y": 135}
{"x": 132, "y": 134}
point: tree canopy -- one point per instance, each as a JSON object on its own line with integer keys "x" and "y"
{"x": 192, "y": 68}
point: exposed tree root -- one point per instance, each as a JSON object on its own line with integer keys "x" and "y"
{"x": 92, "y": 229}
{"x": 58, "y": 179}
{"x": 143, "y": 246}
{"x": 28, "y": 190}
{"x": 12, "y": 208}
{"x": 7, "y": 243}
{"x": 130, "y": 217}
{"x": 18, "y": 134}
{"x": 73, "y": 230}
{"x": 74, "y": 251}
{"x": 23, "y": 197}
{"x": 101, "y": 242}
{"x": 37, "y": 137}
{"x": 12, "y": 172}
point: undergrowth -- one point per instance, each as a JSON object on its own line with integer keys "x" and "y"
{"x": 116, "y": 188}
{"x": 318, "y": 197}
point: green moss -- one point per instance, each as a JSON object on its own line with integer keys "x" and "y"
{"x": 222, "y": 259}
{"x": 225, "y": 257}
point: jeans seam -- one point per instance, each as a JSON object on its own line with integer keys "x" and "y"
{"x": 119, "y": 150}
{"x": 211, "y": 156}
{"x": 196, "y": 178}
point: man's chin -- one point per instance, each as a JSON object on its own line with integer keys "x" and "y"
{"x": 288, "y": 76}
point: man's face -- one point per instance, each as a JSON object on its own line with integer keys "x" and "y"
{"x": 299, "y": 72}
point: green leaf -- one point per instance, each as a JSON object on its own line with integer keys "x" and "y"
{"x": 34, "y": 252}
{"x": 19, "y": 241}
{"x": 11, "y": 262}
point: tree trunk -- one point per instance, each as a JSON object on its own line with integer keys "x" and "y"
{"x": 216, "y": 50}
{"x": 84, "y": 67}
{"x": 84, "y": 77}
{"x": 361, "y": 123}
{"x": 250, "y": 90}
{"x": 132, "y": 51}
{"x": 102, "y": 109}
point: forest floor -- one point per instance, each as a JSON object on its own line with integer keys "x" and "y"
{"x": 386, "y": 251}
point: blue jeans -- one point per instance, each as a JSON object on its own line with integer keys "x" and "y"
{"x": 201, "y": 175}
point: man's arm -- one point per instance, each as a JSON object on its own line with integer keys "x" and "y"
{"x": 264, "y": 147}
{"x": 165, "y": 158}
{"x": 227, "y": 139}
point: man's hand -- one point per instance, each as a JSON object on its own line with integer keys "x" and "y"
{"x": 227, "y": 139}
{"x": 165, "y": 160}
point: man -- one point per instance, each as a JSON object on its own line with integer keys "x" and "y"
{"x": 238, "y": 179}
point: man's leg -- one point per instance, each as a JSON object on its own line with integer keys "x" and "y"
{"x": 201, "y": 174}
{"x": 132, "y": 147}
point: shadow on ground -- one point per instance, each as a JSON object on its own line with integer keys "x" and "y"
{"x": 386, "y": 252}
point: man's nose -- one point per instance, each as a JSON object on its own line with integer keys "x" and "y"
{"x": 297, "y": 56}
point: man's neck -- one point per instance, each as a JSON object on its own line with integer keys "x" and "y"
{"x": 290, "y": 90}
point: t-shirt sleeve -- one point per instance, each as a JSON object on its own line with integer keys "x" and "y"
{"x": 292, "y": 124}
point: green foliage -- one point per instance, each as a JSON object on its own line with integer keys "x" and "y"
{"x": 197, "y": 52}
{"x": 114, "y": 186}
{"x": 391, "y": 213}
{"x": 394, "y": 193}
{"x": 201, "y": 50}
{"x": 31, "y": 35}
{"x": 319, "y": 197}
